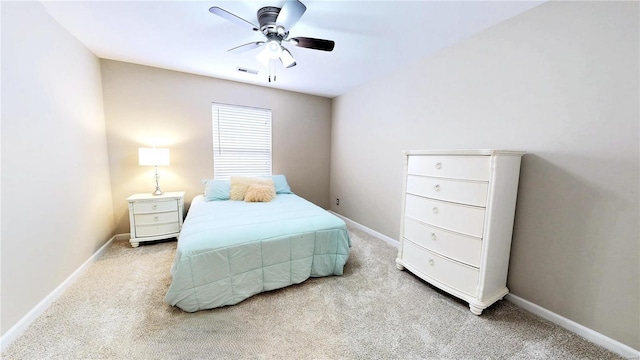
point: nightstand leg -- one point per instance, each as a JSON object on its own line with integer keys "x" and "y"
{"x": 135, "y": 244}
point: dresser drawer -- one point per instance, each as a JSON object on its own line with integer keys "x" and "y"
{"x": 464, "y": 219}
{"x": 142, "y": 207}
{"x": 465, "y": 192}
{"x": 466, "y": 249}
{"x": 456, "y": 167}
{"x": 156, "y": 218}
{"x": 154, "y": 230}
{"x": 449, "y": 272}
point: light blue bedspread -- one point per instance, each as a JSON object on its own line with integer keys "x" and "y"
{"x": 231, "y": 250}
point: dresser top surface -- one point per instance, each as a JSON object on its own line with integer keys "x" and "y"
{"x": 465, "y": 152}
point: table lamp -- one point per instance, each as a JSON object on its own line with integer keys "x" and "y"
{"x": 154, "y": 157}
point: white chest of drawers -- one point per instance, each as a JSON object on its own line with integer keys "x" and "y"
{"x": 458, "y": 209}
{"x": 155, "y": 217}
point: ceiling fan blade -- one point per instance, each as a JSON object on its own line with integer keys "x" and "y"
{"x": 286, "y": 58}
{"x": 233, "y": 18}
{"x": 290, "y": 13}
{"x": 246, "y": 47}
{"x": 311, "y": 43}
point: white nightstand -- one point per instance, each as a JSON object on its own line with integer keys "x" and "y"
{"x": 155, "y": 217}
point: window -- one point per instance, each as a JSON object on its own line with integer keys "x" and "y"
{"x": 241, "y": 141}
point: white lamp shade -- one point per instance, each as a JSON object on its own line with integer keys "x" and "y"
{"x": 153, "y": 157}
{"x": 273, "y": 49}
{"x": 286, "y": 58}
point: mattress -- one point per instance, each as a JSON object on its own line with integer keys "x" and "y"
{"x": 231, "y": 250}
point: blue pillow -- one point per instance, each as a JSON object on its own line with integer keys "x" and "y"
{"x": 216, "y": 190}
{"x": 281, "y": 185}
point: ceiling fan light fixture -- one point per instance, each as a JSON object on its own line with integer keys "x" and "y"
{"x": 287, "y": 59}
{"x": 263, "y": 58}
{"x": 274, "y": 49}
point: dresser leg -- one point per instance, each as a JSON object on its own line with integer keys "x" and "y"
{"x": 475, "y": 310}
{"x": 135, "y": 244}
{"x": 399, "y": 266}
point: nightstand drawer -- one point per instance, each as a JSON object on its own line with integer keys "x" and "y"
{"x": 464, "y": 219}
{"x": 155, "y": 230}
{"x": 156, "y": 218}
{"x": 459, "y": 191}
{"x": 456, "y": 167}
{"x": 143, "y": 207}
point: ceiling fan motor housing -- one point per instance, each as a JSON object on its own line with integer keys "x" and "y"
{"x": 267, "y": 18}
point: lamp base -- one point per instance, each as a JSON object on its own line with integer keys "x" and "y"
{"x": 157, "y": 177}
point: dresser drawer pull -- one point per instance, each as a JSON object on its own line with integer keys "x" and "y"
{"x": 155, "y": 218}
{"x": 431, "y": 262}
{"x": 155, "y": 206}
{"x": 433, "y": 236}
{"x": 435, "y": 210}
{"x": 437, "y": 187}
{"x": 438, "y": 165}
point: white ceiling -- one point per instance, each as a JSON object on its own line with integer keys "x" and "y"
{"x": 372, "y": 37}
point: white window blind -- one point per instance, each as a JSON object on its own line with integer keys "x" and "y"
{"x": 241, "y": 141}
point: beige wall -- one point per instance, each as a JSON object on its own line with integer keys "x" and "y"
{"x": 146, "y": 106}
{"x": 559, "y": 81}
{"x": 56, "y": 195}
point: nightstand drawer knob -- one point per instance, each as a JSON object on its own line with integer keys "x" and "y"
{"x": 438, "y": 165}
{"x": 155, "y": 206}
{"x": 435, "y": 210}
{"x": 433, "y": 236}
{"x": 155, "y": 218}
{"x": 431, "y": 262}
{"x": 436, "y": 188}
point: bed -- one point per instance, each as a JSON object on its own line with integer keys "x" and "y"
{"x": 231, "y": 250}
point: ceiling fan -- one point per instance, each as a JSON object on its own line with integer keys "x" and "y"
{"x": 275, "y": 24}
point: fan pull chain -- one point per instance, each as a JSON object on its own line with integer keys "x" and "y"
{"x": 272, "y": 71}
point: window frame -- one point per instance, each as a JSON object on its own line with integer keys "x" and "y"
{"x": 242, "y": 148}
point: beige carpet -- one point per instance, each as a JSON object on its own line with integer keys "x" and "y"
{"x": 115, "y": 311}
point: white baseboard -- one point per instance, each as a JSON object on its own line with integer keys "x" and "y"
{"x": 119, "y": 237}
{"x": 369, "y": 231}
{"x": 16, "y": 330}
{"x": 591, "y": 335}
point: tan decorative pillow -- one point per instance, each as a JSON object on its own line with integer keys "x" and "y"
{"x": 240, "y": 184}
{"x": 260, "y": 193}
{"x": 238, "y": 187}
